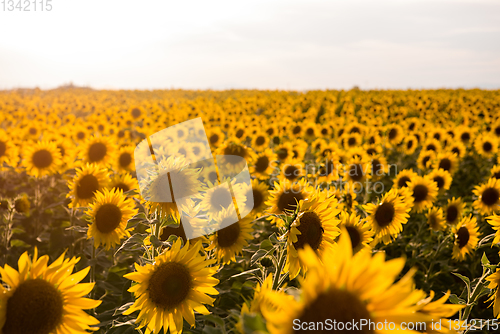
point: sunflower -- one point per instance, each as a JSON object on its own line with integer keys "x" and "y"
{"x": 43, "y": 298}
{"x": 458, "y": 148}
{"x": 494, "y": 280}
{"x": 453, "y": 211}
{"x": 284, "y": 151}
{"x": 350, "y": 288}
{"x": 425, "y": 159}
{"x": 124, "y": 182}
{"x": 464, "y": 134}
{"x": 388, "y": 216}
{"x": 172, "y": 288}
{"x": 98, "y": 150}
{"x": 466, "y": 237}
{"x": 8, "y": 150}
{"x": 424, "y": 192}
{"x": 488, "y": 194}
{"x": 360, "y": 231}
{"x": 329, "y": 170}
{"x": 357, "y": 171}
{"x": 234, "y": 156}
{"x": 215, "y": 136}
{"x": 351, "y": 140}
{"x": 88, "y": 179}
{"x": 80, "y": 133}
{"x": 404, "y": 177}
{"x": 264, "y": 164}
{"x": 442, "y": 178}
{"x": 285, "y": 196}
{"x": 219, "y": 197}
{"x": 495, "y": 172}
{"x": 486, "y": 145}
{"x": 432, "y": 145}
{"x": 42, "y": 158}
{"x": 171, "y": 174}
{"x": 292, "y": 170}
{"x": 447, "y": 161}
{"x": 124, "y": 161}
{"x": 261, "y": 297}
{"x": 259, "y": 191}
{"x": 410, "y": 144}
{"x": 260, "y": 141}
{"x": 494, "y": 221}
{"x": 435, "y": 219}
{"x": 230, "y": 240}
{"x": 109, "y": 214}
{"x": 394, "y": 134}
{"x": 380, "y": 167}
{"x": 316, "y": 226}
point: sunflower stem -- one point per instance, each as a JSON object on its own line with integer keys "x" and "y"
{"x": 279, "y": 268}
{"x": 92, "y": 271}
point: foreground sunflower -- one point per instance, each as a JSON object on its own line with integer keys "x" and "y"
{"x": 388, "y": 216}
{"x": 172, "y": 288}
{"x": 316, "y": 226}
{"x": 350, "y": 288}
{"x": 109, "y": 214}
{"x": 42, "y": 158}
{"x": 488, "y": 197}
{"x": 494, "y": 280}
{"x": 466, "y": 237}
{"x": 43, "y": 299}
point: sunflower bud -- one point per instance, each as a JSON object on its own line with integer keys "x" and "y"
{"x": 22, "y": 205}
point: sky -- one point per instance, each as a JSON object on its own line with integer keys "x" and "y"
{"x": 272, "y": 44}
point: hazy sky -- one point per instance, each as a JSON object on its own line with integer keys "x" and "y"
{"x": 253, "y": 44}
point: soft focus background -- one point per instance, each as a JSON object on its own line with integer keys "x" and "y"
{"x": 298, "y": 45}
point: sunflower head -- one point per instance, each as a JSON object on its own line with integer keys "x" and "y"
{"x": 388, "y": 216}
{"x": 42, "y": 298}
{"x": 42, "y": 158}
{"x": 109, "y": 214}
{"x": 172, "y": 288}
{"x": 466, "y": 237}
{"x": 488, "y": 197}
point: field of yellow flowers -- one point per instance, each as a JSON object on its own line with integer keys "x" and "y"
{"x": 369, "y": 207}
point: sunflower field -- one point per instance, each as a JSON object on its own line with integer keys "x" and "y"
{"x": 378, "y": 207}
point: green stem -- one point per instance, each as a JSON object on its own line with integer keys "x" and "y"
{"x": 279, "y": 268}
{"x": 435, "y": 256}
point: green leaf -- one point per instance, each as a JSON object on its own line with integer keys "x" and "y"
{"x": 17, "y": 230}
{"x": 484, "y": 260}
{"x": 258, "y": 254}
{"x": 18, "y": 243}
{"x": 248, "y": 272}
{"x": 135, "y": 241}
{"x": 454, "y": 299}
{"x": 266, "y": 244}
{"x": 466, "y": 280}
{"x": 253, "y": 323}
{"x": 215, "y": 319}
